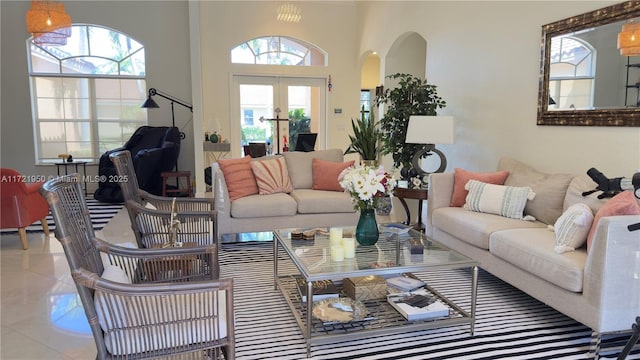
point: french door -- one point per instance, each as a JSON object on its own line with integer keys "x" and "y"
{"x": 274, "y": 109}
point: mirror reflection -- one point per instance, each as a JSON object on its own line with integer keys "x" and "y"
{"x": 584, "y": 79}
{"x": 586, "y": 71}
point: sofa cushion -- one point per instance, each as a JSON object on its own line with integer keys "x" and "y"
{"x": 578, "y": 185}
{"x": 532, "y": 251}
{"x": 572, "y": 228}
{"x": 622, "y": 204}
{"x": 501, "y": 200}
{"x": 321, "y": 202}
{"x": 325, "y": 174}
{"x": 253, "y": 206}
{"x": 300, "y": 166}
{"x": 461, "y": 177}
{"x": 271, "y": 176}
{"x": 550, "y": 189}
{"x": 239, "y": 177}
{"x": 474, "y": 227}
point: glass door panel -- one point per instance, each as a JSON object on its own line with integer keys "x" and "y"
{"x": 256, "y": 102}
{"x": 300, "y": 100}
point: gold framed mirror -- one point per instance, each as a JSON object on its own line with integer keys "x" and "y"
{"x": 585, "y": 92}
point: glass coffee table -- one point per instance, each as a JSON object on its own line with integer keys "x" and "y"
{"x": 391, "y": 256}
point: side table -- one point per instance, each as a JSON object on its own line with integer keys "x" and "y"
{"x": 417, "y": 194}
{"x": 72, "y": 164}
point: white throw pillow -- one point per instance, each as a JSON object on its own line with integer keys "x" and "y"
{"x": 508, "y": 201}
{"x": 131, "y": 263}
{"x": 572, "y": 228}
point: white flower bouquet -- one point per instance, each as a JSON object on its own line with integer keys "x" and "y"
{"x": 366, "y": 185}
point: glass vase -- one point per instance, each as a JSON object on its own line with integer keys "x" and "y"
{"x": 367, "y": 229}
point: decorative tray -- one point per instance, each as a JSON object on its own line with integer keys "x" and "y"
{"x": 395, "y": 228}
{"x": 340, "y": 310}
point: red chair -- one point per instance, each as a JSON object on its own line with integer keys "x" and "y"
{"x": 21, "y": 204}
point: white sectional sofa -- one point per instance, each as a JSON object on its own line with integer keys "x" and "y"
{"x": 599, "y": 288}
{"x": 303, "y": 207}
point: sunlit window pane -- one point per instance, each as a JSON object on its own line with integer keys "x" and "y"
{"x": 50, "y": 109}
{"x": 278, "y": 50}
{"x": 52, "y": 131}
{"x": 78, "y": 131}
{"x": 571, "y": 73}
{"x": 107, "y": 104}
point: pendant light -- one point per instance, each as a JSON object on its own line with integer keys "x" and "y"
{"x": 48, "y": 22}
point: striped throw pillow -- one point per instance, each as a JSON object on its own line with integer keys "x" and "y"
{"x": 572, "y": 228}
{"x": 507, "y": 201}
{"x": 238, "y": 177}
{"x": 272, "y": 176}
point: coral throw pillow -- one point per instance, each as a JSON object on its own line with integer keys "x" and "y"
{"x": 461, "y": 177}
{"x": 272, "y": 176}
{"x": 239, "y": 177}
{"x": 622, "y": 204}
{"x": 325, "y": 174}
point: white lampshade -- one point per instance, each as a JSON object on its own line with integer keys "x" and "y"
{"x": 430, "y": 130}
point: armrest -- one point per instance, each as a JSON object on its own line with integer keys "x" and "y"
{"x": 202, "y": 260}
{"x": 440, "y": 192}
{"x": 222, "y": 202}
{"x": 183, "y": 203}
{"x": 612, "y": 272}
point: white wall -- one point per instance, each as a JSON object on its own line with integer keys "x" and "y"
{"x": 484, "y": 57}
{"x": 328, "y": 25}
{"x": 162, "y": 26}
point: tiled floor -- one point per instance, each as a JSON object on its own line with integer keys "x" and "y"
{"x": 41, "y": 316}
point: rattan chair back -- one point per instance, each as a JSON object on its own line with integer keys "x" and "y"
{"x": 151, "y": 226}
{"x": 74, "y": 228}
{"x": 127, "y": 176}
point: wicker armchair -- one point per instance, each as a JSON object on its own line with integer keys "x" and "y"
{"x": 131, "y": 191}
{"x": 142, "y": 303}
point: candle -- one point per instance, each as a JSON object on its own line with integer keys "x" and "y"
{"x": 335, "y": 236}
{"x": 337, "y": 253}
{"x": 349, "y": 246}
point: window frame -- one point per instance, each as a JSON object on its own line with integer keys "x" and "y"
{"x": 58, "y": 60}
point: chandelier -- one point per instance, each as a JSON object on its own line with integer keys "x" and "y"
{"x": 289, "y": 13}
{"x": 629, "y": 39}
{"x": 48, "y": 22}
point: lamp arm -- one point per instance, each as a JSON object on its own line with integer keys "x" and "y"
{"x": 154, "y": 91}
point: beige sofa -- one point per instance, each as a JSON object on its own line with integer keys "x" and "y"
{"x": 303, "y": 207}
{"x": 600, "y": 289}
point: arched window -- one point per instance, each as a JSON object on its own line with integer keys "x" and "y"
{"x": 278, "y": 50}
{"x": 571, "y": 73}
{"x": 86, "y": 95}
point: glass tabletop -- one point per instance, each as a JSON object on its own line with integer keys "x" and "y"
{"x": 392, "y": 254}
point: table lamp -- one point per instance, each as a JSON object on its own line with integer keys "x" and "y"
{"x": 429, "y": 130}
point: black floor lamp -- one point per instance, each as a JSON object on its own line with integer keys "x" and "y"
{"x": 149, "y": 103}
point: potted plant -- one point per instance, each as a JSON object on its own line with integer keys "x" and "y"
{"x": 412, "y": 96}
{"x": 364, "y": 140}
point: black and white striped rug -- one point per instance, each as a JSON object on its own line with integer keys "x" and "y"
{"x": 509, "y": 325}
{"x": 101, "y": 213}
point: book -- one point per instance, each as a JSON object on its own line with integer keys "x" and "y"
{"x": 322, "y": 289}
{"x": 404, "y": 283}
{"x": 418, "y": 305}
